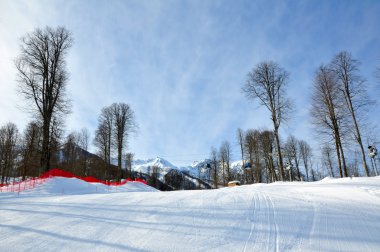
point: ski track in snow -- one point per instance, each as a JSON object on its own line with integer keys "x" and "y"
{"x": 251, "y": 208}
{"x": 331, "y": 215}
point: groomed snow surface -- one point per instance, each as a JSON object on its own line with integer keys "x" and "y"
{"x": 72, "y": 215}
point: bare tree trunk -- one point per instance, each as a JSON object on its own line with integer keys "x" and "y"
{"x": 357, "y": 134}
{"x": 45, "y": 158}
{"x": 279, "y": 155}
{"x": 338, "y": 157}
{"x": 343, "y": 159}
{"x": 352, "y": 86}
{"x": 240, "y": 135}
{"x": 326, "y": 153}
{"x": 298, "y": 168}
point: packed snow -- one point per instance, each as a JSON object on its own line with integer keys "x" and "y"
{"x": 71, "y": 215}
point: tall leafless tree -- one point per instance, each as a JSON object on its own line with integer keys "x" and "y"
{"x": 71, "y": 153}
{"x": 103, "y": 143}
{"x": 267, "y": 83}
{"x": 43, "y": 78}
{"x": 327, "y": 153}
{"x": 305, "y": 151}
{"x": 292, "y": 151}
{"x": 267, "y": 146}
{"x": 252, "y": 146}
{"x": 83, "y": 142}
{"x": 222, "y": 163}
{"x": 31, "y": 149}
{"x": 124, "y": 125}
{"x": 103, "y": 137}
{"x": 8, "y": 151}
{"x": 155, "y": 175}
{"x": 214, "y": 166}
{"x": 240, "y": 137}
{"x": 352, "y": 86}
{"x": 225, "y": 157}
{"x": 128, "y": 164}
{"x": 328, "y": 114}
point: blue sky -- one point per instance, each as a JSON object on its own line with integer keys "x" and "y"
{"x": 181, "y": 64}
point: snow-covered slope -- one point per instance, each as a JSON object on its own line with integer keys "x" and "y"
{"x": 60, "y": 185}
{"x": 330, "y": 215}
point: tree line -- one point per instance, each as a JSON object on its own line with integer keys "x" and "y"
{"x": 42, "y": 78}
{"x": 339, "y": 105}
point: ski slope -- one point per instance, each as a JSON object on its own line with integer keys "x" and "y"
{"x": 330, "y": 215}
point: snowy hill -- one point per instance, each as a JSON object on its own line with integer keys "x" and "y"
{"x": 60, "y": 185}
{"x": 330, "y": 215}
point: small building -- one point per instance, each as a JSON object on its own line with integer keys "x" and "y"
{"x": 233, "y": 183}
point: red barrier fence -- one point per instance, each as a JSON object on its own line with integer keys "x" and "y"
{"x": 32, "y": 182}
{"x": 19, "y": 186}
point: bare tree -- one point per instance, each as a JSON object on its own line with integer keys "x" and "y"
{"x": 225, "y": 158}
{"x": 240, "y": 137}
{"x": 252, "y": 146}
{"x": 124, "y": 125}
{"x": 214, "y": 166}
{"x": 101, "y": 141}
{"x": 267, "y": 145}
{"x": 305, "y": 151}
{"x": 83, "y": 142}
{"x": 328, "y": 113}
{"x": 43, "y": 77}
{"x": 267, "y": 83}
{"x": 103, "y": 138}
{"x": 156, "y": 170}
{"x": 227, "y": 151}
{"x": 353, "y": 165}
{"x": 56, "y": 134}
{"x": 327, "y": 153}
{"x": 128, "y": 164}
{"x": 71, "y": 152}
{"x": 3, "y": 151}
{"x": 312, "y": 170}
{"x": 222, "y": 162}
{"x": 31, "y": 149}
{"x": 292, "y": 151}
{"x": 352, "y": 86}
{"x": 8, "y": 152}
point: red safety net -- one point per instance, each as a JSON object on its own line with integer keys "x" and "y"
{"x": 32, "y": 182}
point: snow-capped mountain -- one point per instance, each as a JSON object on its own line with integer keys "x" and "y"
{"x": 197, "y": 169}
{"x": 146, "y": 166}
{"x": 163, "y": 164}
